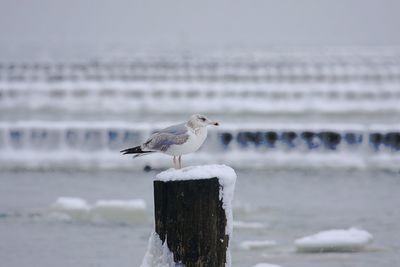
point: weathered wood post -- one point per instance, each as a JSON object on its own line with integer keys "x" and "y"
{"x": 193, "y": 214}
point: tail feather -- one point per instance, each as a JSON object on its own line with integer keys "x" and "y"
{"x": 134, "y": 150}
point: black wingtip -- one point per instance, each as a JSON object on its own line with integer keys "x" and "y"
{"x": 129, "y": 151}
{"x": 124, "y": 152}
{"x": 133, "y": 150}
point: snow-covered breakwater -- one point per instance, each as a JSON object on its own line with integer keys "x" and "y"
{"x": 317, "y": 64}
{"x": 173, "y": 97}
{"x": 50, "y": 111}
{"x": 94, "y": 136}
{"x": 353, "y": 80}
{"x": 92, "y": 144}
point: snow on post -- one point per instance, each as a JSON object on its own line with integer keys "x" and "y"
{"x": 193, "y": 215}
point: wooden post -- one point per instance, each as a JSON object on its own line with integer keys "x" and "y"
{"x": 189, "y": 214}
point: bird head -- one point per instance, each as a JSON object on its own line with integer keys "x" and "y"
{"x": 199, "y": 120}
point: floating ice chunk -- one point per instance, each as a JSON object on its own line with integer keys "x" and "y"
{"x": 71, "y": 203}
{"x": 59, "y": 216}
{"x": 119, "y": 211}
{"x": 266, "y": 265}
{"x": 157, "y": 254}
{"x": 334, "y": 240}
{"x": 257, "y": 244}
{"x": 74, "y": 208}
{"x": 247, "y": 225}
{"x": 109, "y": 211}
{"x": 133, "y": 204}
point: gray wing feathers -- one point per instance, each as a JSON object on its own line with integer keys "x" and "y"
{"x": 161, "y": 141}
{"x": 177, "y": 129}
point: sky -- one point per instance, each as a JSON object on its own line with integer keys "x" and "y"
{"x": 189, "y": 25}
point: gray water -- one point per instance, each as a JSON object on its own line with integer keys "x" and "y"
{"x": 290, "y": 203}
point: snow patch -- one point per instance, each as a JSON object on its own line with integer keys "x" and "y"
{"x": 352, "y": 239}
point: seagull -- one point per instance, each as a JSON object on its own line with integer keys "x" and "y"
{"x": 176, "y": 140}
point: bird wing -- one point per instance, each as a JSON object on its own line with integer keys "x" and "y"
{"x": 176, "y": 129}
{"x": 161, "y": 141}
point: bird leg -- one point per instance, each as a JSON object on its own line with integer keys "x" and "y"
{"x": 175, "y": 165}
{"x": 180, "y": 162}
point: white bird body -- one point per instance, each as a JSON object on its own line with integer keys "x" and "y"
{"x": 176, "y": 140}
{"x": 195, "y": 140}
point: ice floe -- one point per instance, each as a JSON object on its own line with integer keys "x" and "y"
{"x": 266, "y": 265}
{"x": 248, "y": 225}
{"x": 128, "y": 211}
{"x": 257, "y": 244}
{"x": 352, "y": 239}
{"x": 67, "y": 208}
{"x": 103, "y": 211}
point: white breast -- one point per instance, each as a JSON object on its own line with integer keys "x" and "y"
{"x": 194, "y": 142}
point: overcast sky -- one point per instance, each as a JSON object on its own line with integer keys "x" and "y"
{"x": 209, "y": 24}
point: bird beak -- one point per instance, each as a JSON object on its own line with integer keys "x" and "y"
{"x": 215, "y": 123}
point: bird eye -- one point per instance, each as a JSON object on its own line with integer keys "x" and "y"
{"x": 202, "y": 119}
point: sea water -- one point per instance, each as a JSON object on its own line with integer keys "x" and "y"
{"x": 280, "y": 205}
